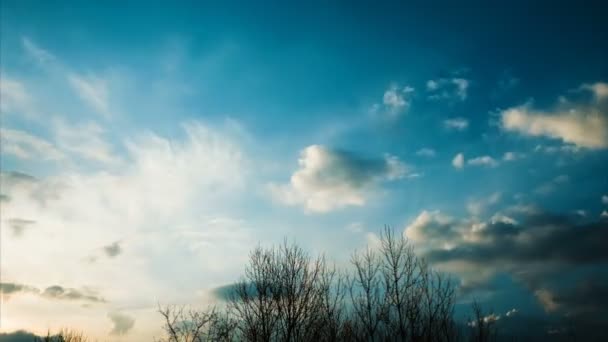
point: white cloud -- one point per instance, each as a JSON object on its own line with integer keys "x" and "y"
{"x": 511, "y": 312}
{"x": 580, "y": 124}
{"x": 92, "y": 90}
{"x": 483, "y": 161}
{"x": 458, "y": 161}
{"x": 165, "y": 206}
{"x": 395, "y": 101}
{"x": 448, "y": 88}
{"x": 605, "y": 199}
{"x": 26, "y": 146}
{"x": 512, "y": 156}
{"x": 40, "y": 55}
{"x": 426, "y": 152}
{"x": 328, "y": 179}
{"x": 478, "y": 207}
{"x": 458, "y": 124}
{"x": 598, "y": 89}
{"x": 85, "y": 141}
{"x": 14, "y": 98}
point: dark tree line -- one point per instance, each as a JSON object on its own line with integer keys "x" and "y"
{"x": 389, "y": 294}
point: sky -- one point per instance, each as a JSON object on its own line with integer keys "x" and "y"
{"x": 146, "y": 148}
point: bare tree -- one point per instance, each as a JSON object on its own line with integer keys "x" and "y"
{"x": 482, "y": 329}
{"x": 366, "y": 296}
{"x": 64, "y": 335}
{"x": 287, "y": 295}
{"x": 183, "y": 324}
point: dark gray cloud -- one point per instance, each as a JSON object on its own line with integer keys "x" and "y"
{"x": 18, "y": 336}
{"x": 13, "y": 288}
{"x": 61, "y": 293}
{"x": 113, "y": 249}
{"x": 122, "y": 323}
{"x": 13, "y": 177}
{"x": 55, "y": 292}
{"x": 19, "y": 225}
{"x": 542, "y": 238}
{"x": 538, "y": 249}
{"x": 229, "y": 292}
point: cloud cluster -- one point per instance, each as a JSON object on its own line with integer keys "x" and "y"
{"x": 534, "y": 247}
{"x": 584, "y": 125}
{"x": 455, "y": 88}
{"x": 395, "y": 101}
{"x": 329, "y": 179}
{"x": 54, "y": 292}
{"x": 27, "y": 146}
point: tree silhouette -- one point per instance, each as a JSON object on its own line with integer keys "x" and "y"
{"x": 389, "y": 294}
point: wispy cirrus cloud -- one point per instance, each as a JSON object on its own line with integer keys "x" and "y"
{"x": 93, "y": 91}
{"x": 457, "y": 124}
{"x": 455, "y": 88}
{"x": 39, "y": 54}
{"x": 84, "y": 140}
{"x": 15, "y": 98}
{"x": 426, "y": 152}
{"x": 24, "y": 145}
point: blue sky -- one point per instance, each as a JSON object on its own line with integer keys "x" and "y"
{"x": 146, "y": 149}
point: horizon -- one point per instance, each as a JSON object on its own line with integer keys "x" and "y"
{"x": 146, "y": 149}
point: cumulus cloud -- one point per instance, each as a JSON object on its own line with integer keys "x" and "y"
{"x": 395, "y": 101}
{"x": 580, "y": 124}
{"x": 483, "y": 161}
{"x": 330, "y": 179}
{"x": 458, "y": 161}
{"x": 448, "y": 88}
{"x": 26, "y": 146}
{"x": 534, "y": 247}
{"x": 458, "y": 124}
{"x": 121, "y": 322}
